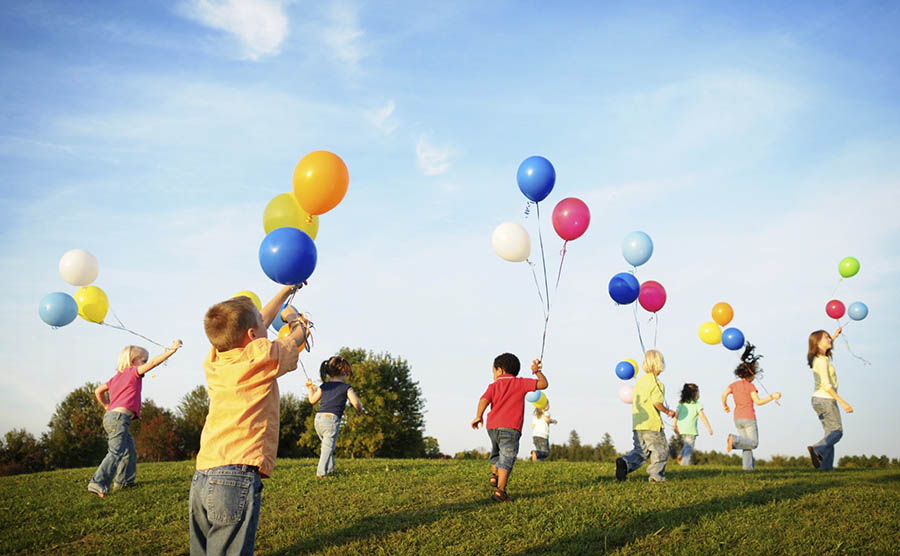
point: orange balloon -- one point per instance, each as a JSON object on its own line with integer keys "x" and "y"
{"x": 722, "y": 313}
{"x": 320, "y": 181}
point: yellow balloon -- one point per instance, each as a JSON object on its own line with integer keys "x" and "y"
{"x": 634, "y": 363}
{"x": 710, "y": 333}
{"x": 285, "y": 212}
{"x": 542, "y": 401}
{"x": 320, "y": 181}
{"x": 253, "y": 297}
{"x": 92, "y": 303}
{"x": 286, "y": 331}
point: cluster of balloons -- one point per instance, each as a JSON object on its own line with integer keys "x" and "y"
{"x": 291, "y": 220}
{"x": 624, "y": 288}
{"x": 711, "y": 331}
{"x": 848, "y": 267}
{"x": 79, "y": 268}
{"x": 626, "y": 369}
{"x": 538, "y": 398}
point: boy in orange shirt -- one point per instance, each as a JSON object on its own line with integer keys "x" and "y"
{"x": 240, "y": 436}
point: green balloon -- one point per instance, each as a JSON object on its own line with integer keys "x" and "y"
{"x": 849, "y": 267}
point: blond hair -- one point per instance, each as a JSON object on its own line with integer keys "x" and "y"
{"x": 226, "y": 323}
{"x": 654, "y": 361}
{"x": 128, "y": 355}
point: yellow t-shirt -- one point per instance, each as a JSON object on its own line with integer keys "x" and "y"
{"x": 242, "y": 424}
{"x": 824, "y": 376}
{"x": 647, "y": 391}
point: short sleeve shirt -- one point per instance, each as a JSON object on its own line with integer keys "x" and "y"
{"x": 687, "y": 417}
{"x": 125, "y": 390}
{"x": 507, "y": 398}
{"x": 824, "y": 376}
{"x": 743, "y": 402}
{"x": 540, "y": 426}
{"x": 648, "y": 390}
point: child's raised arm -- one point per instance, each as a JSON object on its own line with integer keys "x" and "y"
{"x": 313, "y": 394}
{"x": 271, "y": 308}
{"x": 537, "y": 369}
{"x": 298, "y": 332}
{"x": 158, "y": 360}
{"x": 725, "y": 395}
{"x": 705, "y": 422}
{"x": 758, "y": 401}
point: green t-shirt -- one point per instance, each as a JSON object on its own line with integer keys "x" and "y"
{"x": 687, "y": 417}
{"x": 647, "y": 391}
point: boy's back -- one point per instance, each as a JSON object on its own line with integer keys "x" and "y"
{"x": 647, "y": 391}
{"x": 507, "y": 398}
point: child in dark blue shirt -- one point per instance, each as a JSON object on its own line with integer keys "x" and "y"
{"x": 333, "y": 394}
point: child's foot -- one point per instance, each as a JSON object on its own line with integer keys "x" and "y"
{"x": 730, "y": 443}
{"x": 94, "y": 488}
{"x": 499, "y": 496}
{"x": 621, "y": 469}
{"x": 814, "y": 456}
{"x": 493, "y": 480}
{"x": 679, "y": 459}
{"x": 655, "y": 480}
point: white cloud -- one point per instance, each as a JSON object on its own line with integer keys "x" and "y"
{"x": 434, "y": 160}
{"x": 342, "y": 34}
{"x": 259, "y": 25}
{"x": 381, "y": 117}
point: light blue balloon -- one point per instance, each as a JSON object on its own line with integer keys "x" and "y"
{"x": 532, "y": 397}
{"x": 857, "y": 310}
{"x": 277, "y": 323}
{"x": 637, "y": 248}
{"x": 58, "y": 309}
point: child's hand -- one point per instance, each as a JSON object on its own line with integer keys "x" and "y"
{"x": 536, "y": 366}
{"x": 671, "y": 413}
{"x": 676, "y": 429}
{"x": 477, "y": 422}
{"x": 776, "y": 396}
{"x": 727, "y": 409}
{"x": 289, "y": 314}
{"x": 309, "y": 383}
{"x": 175, "y": 345}
{"x": 847, "y": 407}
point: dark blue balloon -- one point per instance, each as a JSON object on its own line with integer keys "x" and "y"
{"x": 277, "y": 323}
{"x": 733, "y": 339}
{"x": 625, "y": 370}
{"x": 288, "y": 256}
{"x": 58, "y": 309}
{"x": 624, "y": 288}
{"x": 536, "y": 177}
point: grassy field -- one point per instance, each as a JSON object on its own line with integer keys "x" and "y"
{"x": 442, "y": 507}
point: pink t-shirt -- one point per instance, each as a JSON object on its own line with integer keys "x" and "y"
{"x": 507, "y": 398}
{"x": 125, "y": 390}
{"x": 743, "y": 403}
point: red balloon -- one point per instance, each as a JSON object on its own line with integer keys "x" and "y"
{"x": 571, "y": 218}
{"x": 834, "y": 309}
{"x": 652, "y": 296}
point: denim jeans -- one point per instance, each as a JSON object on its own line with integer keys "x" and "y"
{"x": 119, "y": 467}
{"x": 830, "y": 417}
{"x": 746, "y": 439}
{"x": 688, "y": 449}
{"x": 541, "y": 447}
{"x": 504, "y": 447}
{"x": 328, "y": 425}
{"x": 224, "y": 510}
{"x": 649, "y": 445}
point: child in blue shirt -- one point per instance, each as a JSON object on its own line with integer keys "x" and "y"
{"x": 333, "y": 394}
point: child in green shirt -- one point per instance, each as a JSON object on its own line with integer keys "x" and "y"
{"x": 688, "y": 410}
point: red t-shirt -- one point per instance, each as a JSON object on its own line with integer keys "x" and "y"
{"x": 743, "y": 403}
{"x": 507, "y": 398}
{"x": 125, "y": 390}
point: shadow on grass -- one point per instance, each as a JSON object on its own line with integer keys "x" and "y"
{"x": 599, "y": 539}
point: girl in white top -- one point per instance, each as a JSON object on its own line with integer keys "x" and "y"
{"x": 540, "y": 433}
{"x": 825, "y": 399}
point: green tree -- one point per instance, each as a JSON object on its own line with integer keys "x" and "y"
{"x": 574, "y": 439}
{"x": 190, "y": 418}
{"x": 432, "y": 449}
{"x": 675, "y": 445}
{"x": 294, "y": 413}
{"x": 20, "y": 452}
{"x": 392, "y": 425}
{"x": 606, "y": 450}
{"x": 76, "y": 437}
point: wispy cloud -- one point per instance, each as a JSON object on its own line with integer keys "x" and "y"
{"x": 260, "y": 26}
{"x": 343, "y": 34}
{"x": 433, "y": 159}
{"x": 381, "y": 117}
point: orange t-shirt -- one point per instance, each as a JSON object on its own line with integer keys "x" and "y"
{"x": 242, "y": 424}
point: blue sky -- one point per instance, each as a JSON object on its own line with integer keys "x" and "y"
{"x": 755, "y": 144}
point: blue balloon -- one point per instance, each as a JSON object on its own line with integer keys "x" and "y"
{"x": 857, "y": 310}
{"x": 624, "y": 288}
{"x": 58, "y": 309}
{"x": 637, "y": 248}
{"x": 277, "y": 323}
{"x": 536, "y": 177}
{"x": 732, "y": 338}
{"x": 625, "y": 370}
{"x": 288, "y": 256}
{"x": 532, "y": 397}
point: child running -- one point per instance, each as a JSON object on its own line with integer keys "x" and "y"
{"x": 745, "y": 396}
{"x": 825, "y": 399}
{"x": 240, "y": 437}
{"x": 120, "y": 396}
{"x": 506, "y": 396}
{"x": 540, "y": 433}
{"x": 686, "y": 425}
{"x": 334, "y": 394}
{"x": 649, "y": 399}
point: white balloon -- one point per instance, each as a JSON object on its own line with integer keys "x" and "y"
{"x": 511, "y": 242}
{"x": 626, "y": 393}
{"x": 78, "y": 267}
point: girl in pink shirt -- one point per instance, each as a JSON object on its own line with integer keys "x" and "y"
{"x": 745, "y": 396}
{"x": 120, "y": 396}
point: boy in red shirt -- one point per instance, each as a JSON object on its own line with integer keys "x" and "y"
{"x": 506, "y": 396}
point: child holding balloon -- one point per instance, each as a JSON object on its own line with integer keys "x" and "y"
{"x": 540, "y": 433}
{"x": 745, "y": 396}
{"x": 689, "y": 409}
{"x": 334, "y": 394}
{"x": 120, "y": 396}
{"x": 825, "y": 399}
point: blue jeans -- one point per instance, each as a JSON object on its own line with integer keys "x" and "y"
{"x": 328, "y": 425}
{"x": 649, "y": 445}
{"x": 688, "y": 449}
{"x": 119, "y": 467}
{"x": 830, "y": 417}
{"x": 224, "y": 510}
{"x": 541, "y": 447}
{"x": 504, "y": 447}
{"x": 746, "y": 439}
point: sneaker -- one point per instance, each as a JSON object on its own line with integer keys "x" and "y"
{"x": 814, "y": 456}
{"x": 621, "y": 469}
{"x": 660, "y": 480}
{"x": 96, "y": 489}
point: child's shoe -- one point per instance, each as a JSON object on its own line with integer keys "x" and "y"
{"x": 621, "y": 469}
{"x": 499, "y": 496}
{"x": 814, "y": 456}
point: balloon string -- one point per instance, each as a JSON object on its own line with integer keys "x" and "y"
{"x": 544, "y": 338}
{"x": 834, "y": 291}
{"x": 655, "y": 328}
{"x": 562, "y": 257}
{"x": 538, "y": 286}
{"x": 862, "y": 359}
{"x": 543, "y": 258}
{"x": 638, "y": 326}
{"x": 122, "y": 326}
{"x": 766, "y": 390}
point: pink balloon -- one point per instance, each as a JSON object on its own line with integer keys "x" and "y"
{"x": 626, "y": 393}
{"x": 652, "y": 296}
{"x": 834, "y": 309}
{"x": 571, "y": 218}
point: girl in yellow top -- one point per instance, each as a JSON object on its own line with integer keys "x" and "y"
{"x": 825, "y": 399}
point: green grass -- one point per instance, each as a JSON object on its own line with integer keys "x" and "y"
{"x": 442, "y": 507}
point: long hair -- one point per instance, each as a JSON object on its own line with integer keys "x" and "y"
{"x": 813, "y": 352}
{"x": 749, "y": 368}
{"x": 689, "y": 393}
{"x": 128, "y": 355}
{"x": 336, "y": 366}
